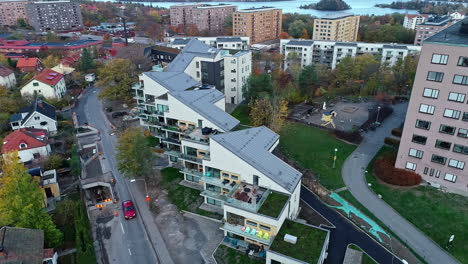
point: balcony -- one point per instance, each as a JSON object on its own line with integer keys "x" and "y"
{"x": 191, "y": 172}
{"x": 183, "y": 156}
{"x": 218, "y": 182}
{"x": 151, "y": 122}
{"x": 171, "y": 140}
{"x": 214, "y": 195}
{"x": 138, "y": 97}
{"x": 237, "y": 229}
{"x": 137, "y": 86}
{"x": 248, "y": 197}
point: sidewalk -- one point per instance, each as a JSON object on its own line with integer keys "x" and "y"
{"x": 152, "y": 230}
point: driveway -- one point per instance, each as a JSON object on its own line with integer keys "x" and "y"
{"x": 353, "y": 173}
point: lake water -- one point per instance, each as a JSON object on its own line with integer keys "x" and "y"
{"x": 359, "y": 7}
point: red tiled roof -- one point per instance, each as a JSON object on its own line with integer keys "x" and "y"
{"x": 4, "y": 71}
{"x": 32, "y": 137}
{"x": 27, "y": 62}
{"x": 49, "y": 76}
{"x": 413, "y": 16}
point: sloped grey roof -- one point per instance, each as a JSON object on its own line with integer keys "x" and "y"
{"x": 41, "y": 107}
{"x": 394, "y": 47}
{"x": 202, "y": 101}
{"x": 173, "y": 81}
{"x": 194, "y": 48}
{"x": 301, "y": 42}
{"x": 181, "y": 41}
{"x": 22, "y": 245}
{"x": 252, "y": 145}
{"x": 346, "y": 44}
{"x": 229, "y": 39}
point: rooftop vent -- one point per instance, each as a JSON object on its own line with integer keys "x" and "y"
{"x": 464, "y": 27}
{"x": 290, "y": 239}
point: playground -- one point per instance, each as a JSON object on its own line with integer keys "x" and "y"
{"x": 345, "y": 116}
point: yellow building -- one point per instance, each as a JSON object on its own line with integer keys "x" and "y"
{"x": 337, "y": 27}
{"x": 260, "y": 24}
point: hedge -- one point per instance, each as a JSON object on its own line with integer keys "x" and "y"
{"x": 385, "y": 170}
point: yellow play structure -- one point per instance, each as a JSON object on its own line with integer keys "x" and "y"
{"x": 328, "y": 118}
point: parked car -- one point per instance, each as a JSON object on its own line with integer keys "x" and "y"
{"x": 128, "y": 209}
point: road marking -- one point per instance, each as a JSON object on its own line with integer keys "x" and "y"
{"x": 122, "y": 228}
{"x": 129, "y": 251}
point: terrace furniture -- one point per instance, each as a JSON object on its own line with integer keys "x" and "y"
{"x": 253, "y": 232}
{"x": 266, "y": 235}
{"x": 234, "y": 242}
{"x": 246, "y": 190}
{"x": 260, "y": 234}
{"x": 247, "y": 230}
{"x": 243, "y": 229}
{"x": 232, "y": 184}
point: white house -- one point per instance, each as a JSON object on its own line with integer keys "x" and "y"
{"x": 38, "y": 115}
{"x": 47, "y": 83}
{"x": 457, "y": 16}
{"x": 411, "y": 21}
{"x": 31, "y": 144}
{"x": 7, "y": 77}
{"x": 226, "y": 42}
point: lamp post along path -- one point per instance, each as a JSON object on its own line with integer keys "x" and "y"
{"x": 147, "y": 198}
{"x": 334, "y": 158}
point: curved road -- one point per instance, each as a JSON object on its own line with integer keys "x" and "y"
{"x": 353, "y": 173}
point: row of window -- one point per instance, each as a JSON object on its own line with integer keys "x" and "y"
{"x": 443, "y": 59}
{"x": 448, "y": 176}
{"x": 457, "y": 148}
{"x": 450, "y": 113}
{"x": 453, "y": 96}
{"x": 439, "y": 77}
{"x": 445, "y": 129}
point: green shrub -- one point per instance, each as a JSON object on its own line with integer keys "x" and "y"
{"x": 397, "y": 132}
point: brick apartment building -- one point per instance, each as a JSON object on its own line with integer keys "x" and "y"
{"x": 55, "y": 15}
{"x": 337, "y": 27}
{"x": 434, "y": 143}
{"x": 431, "y": 26}
{"x": 11, "y": 11}
{"x": 260, "y": 24}
{"x": 204, "y": 16}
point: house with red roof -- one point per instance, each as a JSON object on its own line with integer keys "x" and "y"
{"x": 48, "y": 83}
{"x": 411, "y": 21}
{"x": 32, "y": 144}
{"x": 7, "y": 77}
{"x": 27, "y": 64}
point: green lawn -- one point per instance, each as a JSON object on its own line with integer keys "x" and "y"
{"x": 313, "y": 149}
{"x": 273, "y": 205}
{"x": 439, "y": 215}
{"x": 184, "y": 198}
{"x": 227, "y": 255}
{"x": 242, "y": 114}
{"x": 152, "y": 141}
{"x": 309, "y": 242}
{"x": 365, "y": 258}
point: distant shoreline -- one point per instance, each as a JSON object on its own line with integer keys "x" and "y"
{"x": 205, "y": 1}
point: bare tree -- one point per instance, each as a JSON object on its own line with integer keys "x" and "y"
{"x": 135, "y": 53}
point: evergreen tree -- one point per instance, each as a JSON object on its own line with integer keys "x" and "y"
{"x": 134, "y": 156}
{"x": 87, "y": 62}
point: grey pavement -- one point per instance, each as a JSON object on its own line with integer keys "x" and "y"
{"x": 353, "y": 173}
{"x": 130, "y": 244}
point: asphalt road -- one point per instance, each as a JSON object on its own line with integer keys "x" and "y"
{"x": 346, "y": 233}
{"x": 129, "y": 243}
{"x": 353, "y": 173}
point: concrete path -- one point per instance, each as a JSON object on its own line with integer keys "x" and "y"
{"x": 353, "y": 173}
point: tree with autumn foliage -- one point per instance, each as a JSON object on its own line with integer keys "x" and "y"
{"x": 116, "y": 78}
{"x": 134, "y": 156}
{"x": 270, "y": 112}
{"x": 22, "y": 201}
{"x": 284, "y": 35}
{"x": 305, "y": 34}
{"x": 51, "y": 61}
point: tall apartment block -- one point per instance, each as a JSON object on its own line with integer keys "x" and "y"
{"x": 205, "y": 17}
{"x": 260, "y": 24}
{"x": 431, "y": 26}
{"x": 11, "y": 11}
{"x": 434, "y": 143}
{"x": 338, "y": 27}
{"x": 55, "y": 15}
{"x": 411, "y": 21}
{"x": 331, "y": 53}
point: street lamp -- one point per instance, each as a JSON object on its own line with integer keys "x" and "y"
{"x": 146, "y": 188}
{"x": 334, "y": 158}
{"x": 378, "y": 112}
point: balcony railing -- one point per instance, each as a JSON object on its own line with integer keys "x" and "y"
{"x": 151, "y": 122}
{"x": 218, "y": 182}
{"x": 237, "y": 229}
{"x": 183, "y": 156}
{"x": 214, "y": 195}
{"x": 245, "y": 205}
{"x": 137, "y": 86}
{"x": 192, "y": 172}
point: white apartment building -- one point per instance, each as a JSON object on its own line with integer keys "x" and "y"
{"x": 411, "y": 21}
{"x": 227, "y": 71}
{"x": 226, "y": 42}
{"x": 308, "y": 52}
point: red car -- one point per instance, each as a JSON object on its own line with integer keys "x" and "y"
{"x": 128, "y": 209}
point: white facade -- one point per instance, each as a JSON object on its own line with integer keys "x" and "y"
{"x": 457, "y": 16}
{"x": 411, "y": 21}
{"x": 46, "y": 90}
{"x": 228, "y": 42}
{"x": 36, "y": 120}
{"x": 308, "y": 52}
{"x": 237, "y": 69}
{"x": 8, "y": 81}
{"x": 34, "y": 153}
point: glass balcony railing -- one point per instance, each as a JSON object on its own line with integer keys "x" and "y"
{"x": 214, "y": 195}
{"x": 137, "y": 86}
{"x": 253, "y": 235}
{"x": 192, "y": 172}
{"x": 252, "y": 206}
{"x": 218, "y": 182}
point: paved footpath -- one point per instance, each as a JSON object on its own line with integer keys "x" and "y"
{"x": 353, "y": 173}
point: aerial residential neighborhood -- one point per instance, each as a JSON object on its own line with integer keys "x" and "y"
{"x": 233, "y": 133}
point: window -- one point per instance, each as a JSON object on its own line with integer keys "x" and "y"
{"x": 426, "y": 169}
{"x": 255, "y": 180}
{"x": 198, "y": 74}
{"x": 463, "y": 61}
{"x": 462, "y": 133}
{"x": 456, "y": 164}
{"x": 225, "y": 175}
{"x": 427, "y": 109}
{"x": 443, "y": 144}
{"x": 213, "y": 202}
{"x": 23, "y": 145}
{"x": 37, "y": 117}
{"x": 264, "y": 227}
{"x": 36, "y": 155}
{"x": 456, "y": 97}
{"x": 35, "y": 84}
{"x": 197, "y": 64}
{"x": 460, "y": 149}
{"x": 450, "y": 113}
{"x": 460, "y": 79}
{"x": 251, "y": 223}
{"x": 465, "y": 116}
{"x": 439, "y": 59}
{"x": 411, "y": 166}
{"x": 447, "y": 129}
{"x": 191, "y": 178}
{"x": 435, "y": 76}
{"x": 416, "y": 153}
{"x": 234, "y": 177}
{"x": 438, "y": 159}
{"x": 437, "y": 174}
{"x": 431, "y": 93}
{"x": 431, "y": 172}
{"x": 450, "y": 177}
{"x": 419, "y": 139}
{"x": 423, "y": 124}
